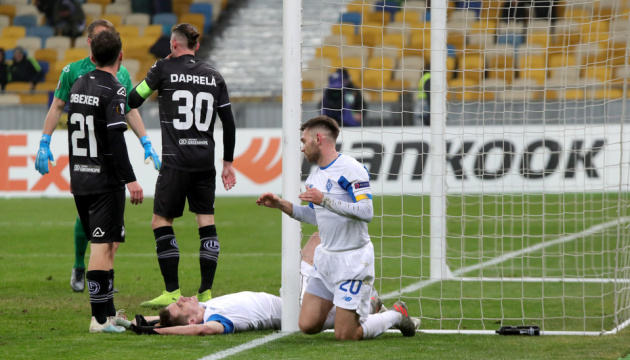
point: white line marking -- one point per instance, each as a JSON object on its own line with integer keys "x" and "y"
{"x": 252, "y": 344}
{"x": 421, "y": 284}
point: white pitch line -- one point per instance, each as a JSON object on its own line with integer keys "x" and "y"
{"x": 421, "y": 284}
{"x": 250, "y": 345}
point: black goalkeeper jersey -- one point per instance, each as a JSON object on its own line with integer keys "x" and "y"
{"x": 189, "y": 92}
{"x": 97, "y": 105}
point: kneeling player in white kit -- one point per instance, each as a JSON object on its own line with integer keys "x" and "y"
{"x": 340, "y": 204}
{"x": 243, "y": 311}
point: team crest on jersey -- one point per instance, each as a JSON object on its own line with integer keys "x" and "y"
{"x": 66, "y": 68}
{"x": 329, "y": 185}
{"x": 98, "y": 232}
{"x": 361, "y": 185}
{"x": 122, "y": 92}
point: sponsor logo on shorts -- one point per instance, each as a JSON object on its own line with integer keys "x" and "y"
{"x": 363, "y": 184}
{"x": 94, "y": 169}
{"x": 93, "y": 287}
{"x": 347, "y": 298}
{"x": 98, "y": 232}
{"x": 193, "y": 141}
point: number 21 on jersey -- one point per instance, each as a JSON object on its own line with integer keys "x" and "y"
{"x": 85, "y": 123}
{"x": 196, "y": 102}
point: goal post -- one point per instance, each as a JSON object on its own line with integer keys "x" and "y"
{"x": 513, "y": 206}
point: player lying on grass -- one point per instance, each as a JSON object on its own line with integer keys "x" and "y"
{"x": 243, "y": 311}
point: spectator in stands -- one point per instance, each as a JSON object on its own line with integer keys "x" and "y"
{"x": 47, "y": 7}
{"x": 162, "y": 47}
{"x": 342, "y": 101}
{"x": 515, "y": 10}
{"x": 69, "y": 19}
{"x": 24, "y": 68}
{"x": 422, "y": 110}
{"x": 4, "y": 70}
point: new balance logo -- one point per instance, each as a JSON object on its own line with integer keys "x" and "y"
{"x": 260, "y": 168}
{"x": 347, "y": 298}
{"x": 98, "y": 232}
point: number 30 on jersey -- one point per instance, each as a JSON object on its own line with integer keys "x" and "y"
{"x": 196, "y": 103}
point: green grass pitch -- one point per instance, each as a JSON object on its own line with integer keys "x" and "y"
{"x": 40, "y": 317}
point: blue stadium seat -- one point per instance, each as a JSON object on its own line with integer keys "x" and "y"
{"x": 43, "y": 32}
{"x": 510, "y": 39}
{"x": 390, "y": 6}
{"x": 168, "y": 19}
{"x": 350, "y": 17}
{"x": 45, "y": 68}
{"x": 206, "y": 10}
{"x": 25, "y": 20}
{"x": 8, "y": 54}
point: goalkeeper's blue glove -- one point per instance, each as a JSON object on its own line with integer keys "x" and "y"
{"x": 43, "y": 155}
{"x": 149, "y": 153}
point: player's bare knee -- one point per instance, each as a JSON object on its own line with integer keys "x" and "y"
{"x": 309, "y": 328}
{"x": 348, "y": 334}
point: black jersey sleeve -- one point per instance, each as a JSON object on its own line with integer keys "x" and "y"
{"x": 147, "y": 86}
{"x": 115, "y": 109}
{"x": 229, "y": 131}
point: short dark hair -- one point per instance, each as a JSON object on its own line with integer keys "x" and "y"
{"x": 106, "y": 47}
{"x": 167, "y": 320}
{"x": 189, "y": 32}
{"x": 96, "y": 23}
{"x": 322, "y": 122}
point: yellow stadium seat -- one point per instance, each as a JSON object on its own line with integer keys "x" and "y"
{"x": 347, "y": 62}
{"x": 396, "y": 41}
{"x": 38, "y": 99}
{"x": 18, "y": 86}
{"x": 541, "y": 39}
{"x": 390, "y": 96}
{"x": 115, "y": 19}
{"x": 538, "y": 75}
{"x": 152, "y": 32}
{"x": 50, "y": 55}
{"x": 573, "y": 94}
{"x": 181, "y": 7}
{"x": 377, "y": 17}
{"x": 533, "y": 62}
{"x": 374, "y": 79}
{"x": 74, "y": 54}
{"x": 331, "y": 52}
{"x": 197, "y": 20}
{"x": 8, "y": 43}
{"x": 356, "y": 6}
{"x": 47, "y": 86}
{"x": 420, "y": 39}
{"x": 13, "y": 32}
{"x": 408, "y": 17}
{"x": 344, "y": 29}
{"x": 355, "y": 75}
{"x": 602, "y": 73}
{"x": 7, "y": 9}
{"x": 382, "y": 63}
{"x": 371, "y": 34}
{"x": 128, "y": 31}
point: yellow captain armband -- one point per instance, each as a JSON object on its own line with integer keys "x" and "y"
{"x": 144, "y": 90}
{"x": 362, "y": 197}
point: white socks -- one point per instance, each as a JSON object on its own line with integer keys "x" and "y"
{"x": 377, "y": 324}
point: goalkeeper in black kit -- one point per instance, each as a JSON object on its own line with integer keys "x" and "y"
{"x": 191, "y": 95}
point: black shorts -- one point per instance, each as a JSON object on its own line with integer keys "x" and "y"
{"x": 174, "y": 186}
{"x": 102, "y": 216}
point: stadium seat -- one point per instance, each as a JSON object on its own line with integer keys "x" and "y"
{"x": 115, "y": 19}
{"x": 9, "y": 99}
{"x": 206, "y": 11}
{"x": 376, "y": 78}
{"x": 152, "y": 32}
{"x": 197, "y": 20}
{"x": 181, "y": 7}
{"x": 601, "y": 73}
{"x": 47, "y": 86}
{"x": 45, "y": 66}
{"x": 27, "y": 10}
{"x": 396, "y": 41}
{"x": 30, "y": 43}
{"x": 128, "y": 31}
{"x": 140, "y": 20}
{"x": 14, "y": 32}
{"x": 318, "y": 77}
{"x": 318, "y": 63}
{"x": 132, "y": 65}
{"x": 371, "y": 34}
{"x": 168, "y": 19}
{"x": 327, "y": 51}
{"x": 217, "y": 7}
{"x": 119, "y": 9}
{"x": 95, "y": 10}
{"x": 137, "y": 48}
{"x": 81, "y": 42}
{"x": 336, "y": 40}
{"x": 74, "y": 54}
{"x": 25, "y": 20}
{"x": 8, "y": 43}
{"x": 351, "y": 18}
{"x": 50, "y": 55}
{"x": 103, "y": 3}
{"x": 18, "y": 86}
{"x": 379, "y": 62}
{"x": 347, "y": 62}
{"x": 58, "y": 42}
{"x": 355, "y": 51}
{"x": 34, "y": 99}
{"x": 347, "y": 30}
{"x": 8, "y": 10}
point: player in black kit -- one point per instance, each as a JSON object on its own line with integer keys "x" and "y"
{"x": 99, "y": 170}
{"x": 191, "y": 94}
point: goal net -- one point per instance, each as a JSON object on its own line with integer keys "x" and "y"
{"x": 500, "y": 181}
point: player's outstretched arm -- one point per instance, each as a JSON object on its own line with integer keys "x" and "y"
{"x": 361, "y": 210}
{"x": 273, "y": 201}
{"x": 43, "y": 153}
{"x": 209, "y": 328}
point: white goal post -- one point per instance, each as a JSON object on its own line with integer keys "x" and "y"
{"x": 513, "y": 206}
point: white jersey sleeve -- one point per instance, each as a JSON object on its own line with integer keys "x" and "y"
{"x": 247, "y": 310}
